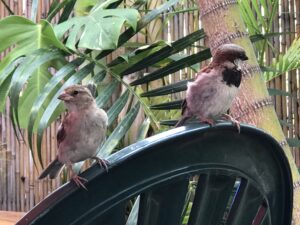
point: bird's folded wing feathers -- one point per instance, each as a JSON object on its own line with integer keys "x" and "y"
{"x": 61, "y": 133}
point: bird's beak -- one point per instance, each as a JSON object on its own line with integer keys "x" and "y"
{"x": 64, "y": 97}
{"x": 245, "y": 58}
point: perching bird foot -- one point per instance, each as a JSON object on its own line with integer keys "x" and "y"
{"x": 79, "y": 181}
{"x": 102, "y": 163}
{"x": 234, "y": 121}
{"x": 211, "y": 122}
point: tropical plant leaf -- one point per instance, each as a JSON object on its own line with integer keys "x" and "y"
{"x": 285, "y": 63}
{"x": 146, "y": 56}
{"x": 133, "y": 216}
{"x": 142, "y": 22}
{"x": 168, "y": 122}
{"x": 143, "y": 129}
{"x": 293, "y": 142}
{"x": 56, "y": 6}
{"x": 274, "y": 91}
{"x": 100, "y": 30}
{"x": 5, "y": 80}
{"x": 47, "y": 94}
{"x": 168, "y": 105}
{"x": 168, "y": 89}
{"x": 174, "y": 66}
{"x": 24, "y": 36}
{"x": 106, "y": 93}
{"x": 258, "y": 17}
{"x": 285, "y": 123}
{"x": 124, "y": 63}
{"x": 33, "y": 72}
{"x": 117, "y": 107}
{"x": 119, "y": 132}
{"x": 260, "y": 37}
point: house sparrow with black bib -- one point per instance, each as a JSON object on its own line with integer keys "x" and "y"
{"x": 79, "y": 135}
{"x": 210, "y": 95}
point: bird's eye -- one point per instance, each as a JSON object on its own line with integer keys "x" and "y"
{"x": 75, "y": 93}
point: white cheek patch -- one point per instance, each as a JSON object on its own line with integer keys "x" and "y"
{"x": 239, "y": 63}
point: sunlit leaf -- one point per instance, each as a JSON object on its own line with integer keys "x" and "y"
{"x": 174, "y": 66}
{"x": 100, "y": 30}
{"x": 117, "y": 107}
{"x": 24, "y": 37}
{"x": 119, "y": 132}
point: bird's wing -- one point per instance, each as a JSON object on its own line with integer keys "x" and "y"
{"x": 61, "y": 132}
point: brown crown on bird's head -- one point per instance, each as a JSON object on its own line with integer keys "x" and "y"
{"x": 76, "y": 95}
{"x": 229, "y": 52}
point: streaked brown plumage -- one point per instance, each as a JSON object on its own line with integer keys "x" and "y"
{"x": 81, "y": 132}
{"x": 215, "y": 86}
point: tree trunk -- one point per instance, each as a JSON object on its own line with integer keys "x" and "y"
{"x": 223, "y": 23}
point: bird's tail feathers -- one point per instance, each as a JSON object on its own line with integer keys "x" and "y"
{"x": 182, "y": 121}
{"x": 52, "y": 169}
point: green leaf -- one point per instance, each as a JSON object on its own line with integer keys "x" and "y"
{"x": 106, "y": 93}
{"x": 143, "y": 22}
{"x": 47, "y": 94}
{"x": 167, "y": 106}
{"x": 24, "y": 37}
{"x": 117, "y": 107}
{"x": 5, "y": 80}
{"x": 143, "y": 129}
{"x": 293, "y": 142}
{"x": 274, "y": 91}
{"x": 36, "y": 75}
{"x": 260, "y": 37}
{"x": 133, "y": 216}
{"x": 4, "y": 92}
{"x": 100, "y": 30}
{"x": 285, "y": 123}
{"x": 124, "y": 64}
{"x": 168, "y": 122}
{"x": 148, "y": 55}
{"x": 68, "y": 10}
{"x": 119, "y": 132}
{"x": 168, "y": 89}
{"x": 285, "y": 63}
{"x": 174, "y": 66}
{"x": 56, "y": 7}
{"x": 106, "y": 4}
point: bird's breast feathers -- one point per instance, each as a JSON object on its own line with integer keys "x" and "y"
{"x": 209, "y": 96}
{"x": 83, "y": 134}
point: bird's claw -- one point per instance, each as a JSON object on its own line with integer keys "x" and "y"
{"x": 102, "y": 163}
{"x": 234, "y": 121}
{"x": 79, "y": 181}
{"x": 211, "y": 122}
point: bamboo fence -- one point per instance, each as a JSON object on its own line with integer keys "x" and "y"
{"x": 20, "y": 189}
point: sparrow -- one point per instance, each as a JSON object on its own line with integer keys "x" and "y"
{"x": 79, "y": 135}
{"x": 210, "y": 95}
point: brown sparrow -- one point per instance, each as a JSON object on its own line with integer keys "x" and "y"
{"x": 79, "y": 135}
{"x": 210, "y": 95}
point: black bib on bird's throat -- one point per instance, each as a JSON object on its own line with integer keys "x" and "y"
{"x": 232, "y": 76}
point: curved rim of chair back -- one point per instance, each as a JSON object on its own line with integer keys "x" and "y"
{"x": 175, "y": 156}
